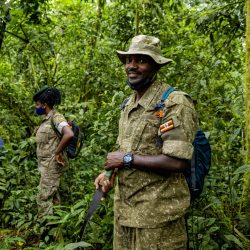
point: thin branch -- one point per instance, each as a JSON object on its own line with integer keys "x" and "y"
{"x": 227, "y": 43}
{"x": 3, "y": 27}
{"x": 26, "y": 40}
{"x": 17, "y": 36}
{"x": 39, "y": 55}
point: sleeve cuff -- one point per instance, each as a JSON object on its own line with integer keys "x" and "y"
{"x": 62, "y": 125}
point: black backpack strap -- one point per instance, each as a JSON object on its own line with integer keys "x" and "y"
{"x": 193, "y": 176}
{"x": 54, "y": 127}
{"x": 124, "y": 103}
{"x": 167, "y": 92}
{"x": 159, "y": 106}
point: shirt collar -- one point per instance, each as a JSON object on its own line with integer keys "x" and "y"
{"x": 149, "y": 95}
{"x": 52, "y": 111}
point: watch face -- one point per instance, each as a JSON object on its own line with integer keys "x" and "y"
{"x": 127, "y": 158}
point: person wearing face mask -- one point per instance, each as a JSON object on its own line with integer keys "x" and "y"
{"x": 52, "y": 159}
{"x": 151, "y": 193}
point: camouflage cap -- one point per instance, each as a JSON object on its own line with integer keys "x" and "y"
{"x": 145, "y": 45}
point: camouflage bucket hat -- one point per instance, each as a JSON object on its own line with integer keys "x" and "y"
{"x": 145, "y": 45}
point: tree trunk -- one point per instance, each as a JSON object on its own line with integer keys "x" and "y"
{"x": 246, "y": 193}
{"x": 3, "y": 23}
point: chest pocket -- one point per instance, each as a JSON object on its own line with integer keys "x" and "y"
{"x": 146, "y": 135}
{"x": 45, "y": 133}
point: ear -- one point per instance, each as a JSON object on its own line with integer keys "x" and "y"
{"x": 44, "y": 105}
{"x": 47, "y": 108}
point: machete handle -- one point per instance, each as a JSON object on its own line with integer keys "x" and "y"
{"x": 108, "y": 173}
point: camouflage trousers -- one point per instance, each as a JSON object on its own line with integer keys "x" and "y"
{"x": 172, "y": 236}
{"x": 48, "y": 187}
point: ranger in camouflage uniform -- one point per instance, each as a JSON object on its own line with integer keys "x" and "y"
{"x": 151, "y": 195}
{"x": 52, "y": 160}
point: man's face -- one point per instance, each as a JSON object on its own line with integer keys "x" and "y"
{"x": 139, "y": 67}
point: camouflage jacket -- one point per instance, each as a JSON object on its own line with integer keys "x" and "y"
{"x": 146, "y": 199}
{"x": 47, "y": 140}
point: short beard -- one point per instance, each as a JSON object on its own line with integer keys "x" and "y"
{"x": 141, "y": 85}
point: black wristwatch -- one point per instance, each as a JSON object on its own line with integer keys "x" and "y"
{"x": 128, "y": 159}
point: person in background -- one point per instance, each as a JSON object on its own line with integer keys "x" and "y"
{"x": 1, "y": 143}
{"x": 151, "y": 193}
{"x": 52, "y": 159}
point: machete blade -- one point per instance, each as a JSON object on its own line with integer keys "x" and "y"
{"x": 93, "y": 206}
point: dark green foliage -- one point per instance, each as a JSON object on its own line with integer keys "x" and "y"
{"x": 72, "y": 45}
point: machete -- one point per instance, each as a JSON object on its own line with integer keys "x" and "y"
{"x": 93, "y": 205}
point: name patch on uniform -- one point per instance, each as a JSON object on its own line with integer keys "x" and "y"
{"x": 167, "y": 126}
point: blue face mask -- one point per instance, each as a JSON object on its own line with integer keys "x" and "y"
{"x": 40, "y": 111}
